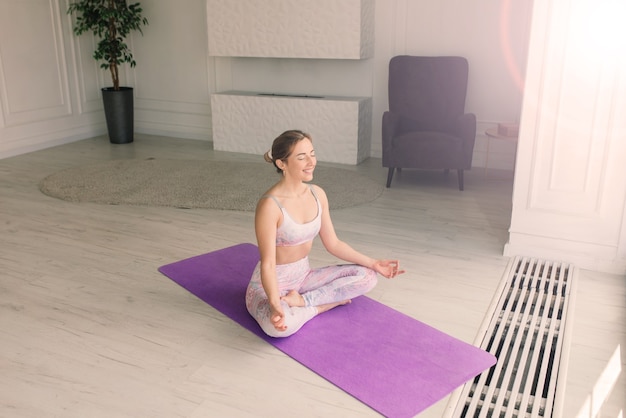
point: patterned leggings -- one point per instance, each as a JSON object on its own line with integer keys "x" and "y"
{"x": 317, "y": 286}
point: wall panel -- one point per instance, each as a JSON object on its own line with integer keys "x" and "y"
{"x": 33, "y": 72}
{"x": 570, "y": 187}
{"x": 171, "y": 77}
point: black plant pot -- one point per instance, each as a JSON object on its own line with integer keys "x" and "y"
{"x": 119, "y": 113}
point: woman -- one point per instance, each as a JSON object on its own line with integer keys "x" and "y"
{"x": 284, "y": 292}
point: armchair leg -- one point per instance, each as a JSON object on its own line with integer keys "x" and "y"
{"x": 460, "y": 173}
{"x": 389, "y": 176}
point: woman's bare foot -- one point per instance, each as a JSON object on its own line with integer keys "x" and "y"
{"x": 329, "y": 306}
{"x": 293, "y": 298}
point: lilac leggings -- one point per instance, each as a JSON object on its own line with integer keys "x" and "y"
{"x": 317, "y": 286}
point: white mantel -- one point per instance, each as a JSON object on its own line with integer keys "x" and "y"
{"x": 329, "y": 29}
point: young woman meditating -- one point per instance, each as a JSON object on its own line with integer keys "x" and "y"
{"x": 284, "y": 291}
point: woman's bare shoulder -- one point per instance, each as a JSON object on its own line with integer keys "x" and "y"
{"x": 319, "y": 192}
{"x": 268, "y": 204}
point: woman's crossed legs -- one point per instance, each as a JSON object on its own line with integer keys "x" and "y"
{"x": 308, "y": 292}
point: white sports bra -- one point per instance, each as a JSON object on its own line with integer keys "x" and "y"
{"x": 291, "y": 233}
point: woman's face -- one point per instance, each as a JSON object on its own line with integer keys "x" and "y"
{"x": 301, "y": 163}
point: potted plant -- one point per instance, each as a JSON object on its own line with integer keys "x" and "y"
{"x": 111, "y": 21}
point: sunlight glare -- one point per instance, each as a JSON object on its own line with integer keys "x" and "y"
{"x": 600, "y": 28}
{"x": 603, "y": 387}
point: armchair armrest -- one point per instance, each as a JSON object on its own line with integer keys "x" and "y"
{"x": 391, "y": 126}
{"x": 465, "y": 128}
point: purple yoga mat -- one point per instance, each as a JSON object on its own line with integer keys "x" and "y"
{"x": 391, "y": 362}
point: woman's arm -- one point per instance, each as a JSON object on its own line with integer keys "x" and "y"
{"x": 331, "y": 242}
{"x": 340, "y": 249}
{"x": 266, "y": 221}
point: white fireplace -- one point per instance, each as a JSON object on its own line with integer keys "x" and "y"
{"x": 248, "y": 122}
{"x": 323, "y": 31}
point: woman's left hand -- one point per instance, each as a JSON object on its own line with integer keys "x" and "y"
{"x": 387, "y": 268}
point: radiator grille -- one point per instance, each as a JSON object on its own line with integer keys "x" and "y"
{"x": 526, "y": 331}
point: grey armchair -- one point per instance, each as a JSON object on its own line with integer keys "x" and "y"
{"x": 426, "y": 126}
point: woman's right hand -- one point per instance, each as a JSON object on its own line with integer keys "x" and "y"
{"x": 388, "y": 268}
{"x": 277, "y": 317}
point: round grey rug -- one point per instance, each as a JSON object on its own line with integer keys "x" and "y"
{"x": 195, "y": 184}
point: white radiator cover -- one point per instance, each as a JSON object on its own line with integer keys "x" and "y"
{"x": 528, "y": 329}
{"x": 248, "y": 123}
{"x": 329, "y": 29}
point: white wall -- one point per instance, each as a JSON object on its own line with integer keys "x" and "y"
{"x": 39, "y": 94}
{"x": 50, "y": 84}
{"x": 172, "y": 77}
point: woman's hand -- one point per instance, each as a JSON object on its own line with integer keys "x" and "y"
{"x": 387, "y": 268}
{"x": 277, "y": 317}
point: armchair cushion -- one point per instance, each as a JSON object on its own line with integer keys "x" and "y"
{"x": 427, "y": 150}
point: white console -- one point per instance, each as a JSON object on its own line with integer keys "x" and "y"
{"x": 248, "y": 122}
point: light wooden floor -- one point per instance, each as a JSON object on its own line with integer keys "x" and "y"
{"x": 89, "y": 328}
